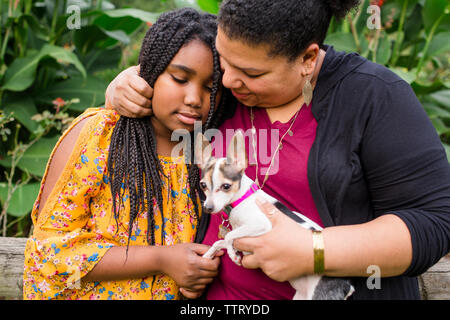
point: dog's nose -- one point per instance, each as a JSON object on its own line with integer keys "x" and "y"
{"x": 209, "y": 208}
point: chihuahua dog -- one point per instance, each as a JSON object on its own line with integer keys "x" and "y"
{"x": 229, "y": 191}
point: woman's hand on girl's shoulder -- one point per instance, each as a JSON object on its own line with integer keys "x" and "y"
{"x": 186, "y": 266}
{"x": 129, "y": 94}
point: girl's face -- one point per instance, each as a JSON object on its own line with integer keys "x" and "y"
{"x": 257, "y": 79}
{"x": 182, "y": 92}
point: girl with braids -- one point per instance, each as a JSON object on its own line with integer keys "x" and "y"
{"x": 361, "y": 158}
{"x": 117, "y": 212}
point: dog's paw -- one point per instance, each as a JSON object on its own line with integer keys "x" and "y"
{"x": 218, "y": 245}
{"x": 210, "y": 253}
{"x": 236, "y": 257}
{"x": 237, "y": 260}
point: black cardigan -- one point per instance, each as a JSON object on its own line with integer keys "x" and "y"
{"x": 376, "y": 152}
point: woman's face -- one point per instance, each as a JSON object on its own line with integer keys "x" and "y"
{"x": 182, "y": 92}
{"x": 257, "y": 79}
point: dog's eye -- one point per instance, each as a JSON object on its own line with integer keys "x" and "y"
{"x": 226, "y": 187}
{"x": 203, "y": 185}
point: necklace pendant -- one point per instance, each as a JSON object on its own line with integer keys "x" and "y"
{"x": 223, "y": 231}
{"x": 290, "y": 133}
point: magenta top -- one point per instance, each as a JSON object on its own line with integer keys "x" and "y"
{"x": 287, "y": 182}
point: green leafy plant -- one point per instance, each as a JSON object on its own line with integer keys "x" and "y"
{"x": 54, "y": 55}
{"x": 413, "y": 40}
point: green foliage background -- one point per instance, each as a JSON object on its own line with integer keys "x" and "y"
{"x": 50, "y": 73}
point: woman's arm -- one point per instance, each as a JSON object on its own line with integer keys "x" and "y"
{"x": 384, "y": 243}
{"x": 408, "y": 179}
{"x": 286, "y": 252}
{"x": 129, "y": 94}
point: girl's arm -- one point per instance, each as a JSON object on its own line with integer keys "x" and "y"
{"x": 59, "y": 160}
{"x": 182, "y": 262}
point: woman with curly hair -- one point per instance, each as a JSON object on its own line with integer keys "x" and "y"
{"x": 357, "y": 155}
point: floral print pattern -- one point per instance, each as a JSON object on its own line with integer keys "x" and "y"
{"x": 76, "y": 226}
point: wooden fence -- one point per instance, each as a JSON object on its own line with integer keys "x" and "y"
{"x": 434, "y": 284}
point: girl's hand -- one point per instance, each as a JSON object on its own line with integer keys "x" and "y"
{"x": 129, "y": 94}
{"x": 284, "y": 253}
{"x": 186, "y": 266}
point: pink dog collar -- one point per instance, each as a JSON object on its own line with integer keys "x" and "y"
{"x": 227, "y": 209}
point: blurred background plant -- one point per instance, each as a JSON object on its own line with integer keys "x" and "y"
{"x": 413, "y": 40}
{"x": 58, "y": 56}
{"x": 56, "y": 59}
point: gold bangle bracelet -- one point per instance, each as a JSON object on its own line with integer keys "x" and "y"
{"x": 319, "y": 256}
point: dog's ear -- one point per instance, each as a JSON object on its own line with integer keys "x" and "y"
{"x": 236, "y": 153}
{"x": 202, "y": 150}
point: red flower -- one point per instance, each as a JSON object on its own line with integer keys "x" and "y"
{"x": 58, "y": 103}
{"x": 377, "y": 2}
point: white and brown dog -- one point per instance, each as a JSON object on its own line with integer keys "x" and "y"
{"x": 229, "y": 191}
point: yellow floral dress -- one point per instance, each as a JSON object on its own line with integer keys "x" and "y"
{"x": 76, "y": 227}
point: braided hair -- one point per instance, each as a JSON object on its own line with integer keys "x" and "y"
{"x": 133, "y": 162}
